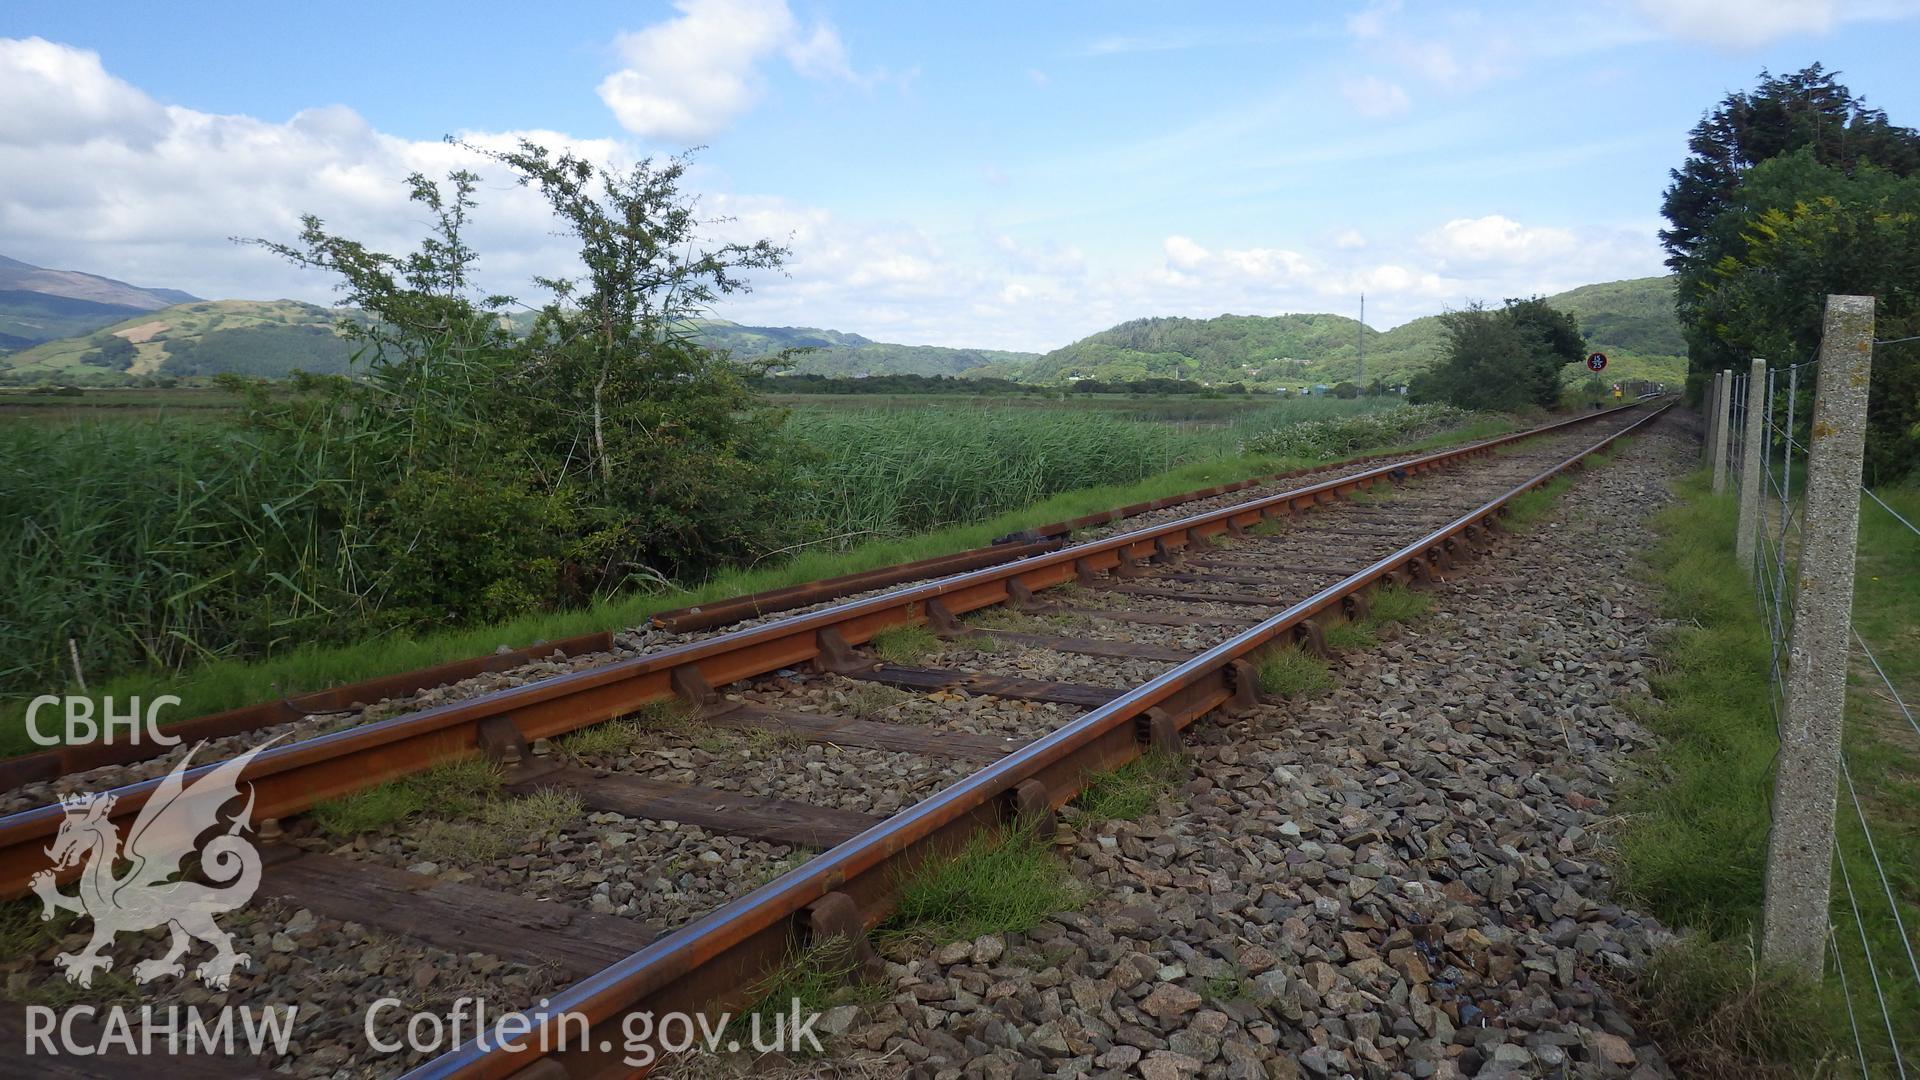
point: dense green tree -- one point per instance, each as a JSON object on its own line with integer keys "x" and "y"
{"x": 1798, "y": 231}
{"x": 270, "y": 352}
{"x": 110, "y": 351}
{"x": 1806, "y": 110}
{"x": 1793, "y": 191}
{"x": 1502, "y": 359}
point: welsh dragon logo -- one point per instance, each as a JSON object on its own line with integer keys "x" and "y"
{"x": 147, "y": 895}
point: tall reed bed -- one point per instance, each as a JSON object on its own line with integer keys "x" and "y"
{"x": 126, "y": 543}
{"x": 892, "y": 472}
{"x": 146, "y": 543}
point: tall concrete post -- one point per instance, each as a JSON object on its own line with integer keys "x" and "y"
{"x": 1722, "y": 412}
{"x": 1800, "y": 843}
{"x": 1707, "y": 414}
{"x": 1751, "y": 482}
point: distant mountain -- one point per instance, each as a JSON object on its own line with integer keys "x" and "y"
{"x": 834, "y": 353}
{"x": 37, "y": 304}
{"x": 1632, "y": 321}
{"x": 61, "y": 324}
{"x": 206, "y": 337}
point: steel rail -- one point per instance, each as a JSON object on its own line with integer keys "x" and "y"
{"x": 289, "y": 779}
{"x": 714, "y": 961}
{"x": 771, "y": 601}
{"x": 1015, "y": 545}
{"x": 78, "y": 757}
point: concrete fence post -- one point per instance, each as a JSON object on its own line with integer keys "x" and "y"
{"x": 1707, "y": 414}
{"x": 1800, "y": 842}
{"x": 1751, "y": 480}
{"x": 1722, "y": 413}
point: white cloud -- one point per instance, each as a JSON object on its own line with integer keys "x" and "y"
{"x": 1049, "y": 259}
{"x": 821, "y": 55}
{"x": 53, "y": 94}
{"x": 1258, "y": 264}
{"x": 1372, "y": 22}
{"x": 127, "y": 187}
{"x": 1373, "y": 96}
{"x": 688, "y": 77}
{"x": 1741, "y": 24}
{"x": 135, "y": 189}
{"x": 1496, "y": 239}
{"x": 1183, "y": 253}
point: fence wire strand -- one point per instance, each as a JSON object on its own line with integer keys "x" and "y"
{"x": 1879, "y": 869}
{"x": 1873, "y": 970}
{"x": 1846, "y": 995}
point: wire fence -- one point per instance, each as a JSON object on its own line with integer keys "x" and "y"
{"x": 1869, "y": 941}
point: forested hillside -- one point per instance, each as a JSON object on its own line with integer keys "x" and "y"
{"x": 1632, "y": 321}
{"x": 37, "y": 304}
{"x": 267, "y": 338}
{"x": 834, "y": 353}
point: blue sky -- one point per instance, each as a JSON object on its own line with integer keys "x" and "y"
{"x": 985, "y": 174}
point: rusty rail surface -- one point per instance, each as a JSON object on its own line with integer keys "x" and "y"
{"x": 295, "y": 777}
{"x": 49, "y": 764}
{"x": 713, "y": 962}
{"x": 747, "y": 605}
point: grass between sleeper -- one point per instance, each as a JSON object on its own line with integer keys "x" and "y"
{"x": 1005, "y": 882}
{"x": 1131, "y": 791}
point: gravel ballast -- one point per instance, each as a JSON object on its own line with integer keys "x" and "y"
{"x": 1398, "y": 878}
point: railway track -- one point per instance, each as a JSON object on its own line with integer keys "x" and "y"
{"x": 763, "y": 746}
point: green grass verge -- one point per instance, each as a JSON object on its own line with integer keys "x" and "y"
{"x": 1883, "y": 756}
{"x": 1692, "y": 846}
{"x": 1005, "y": 883}
{"x": 228, "y": 684}
{"x": 1717, "y": 1014}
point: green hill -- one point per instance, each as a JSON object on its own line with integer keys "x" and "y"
{"x": 37, "y": 304}
{"x": 835, "y": 353}
{"x": 253, "y": 337}
{"x": 1632, "y": 321}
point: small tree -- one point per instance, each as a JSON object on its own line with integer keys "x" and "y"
{"x": 1502, "y": 360}
{"x": 481, "y": 470}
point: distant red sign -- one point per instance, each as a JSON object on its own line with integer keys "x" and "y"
{"x": 1597, "y": 362}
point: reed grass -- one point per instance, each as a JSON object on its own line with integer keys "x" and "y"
{"x": 182, "y": 561}
{"x": 889, "y": 472}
